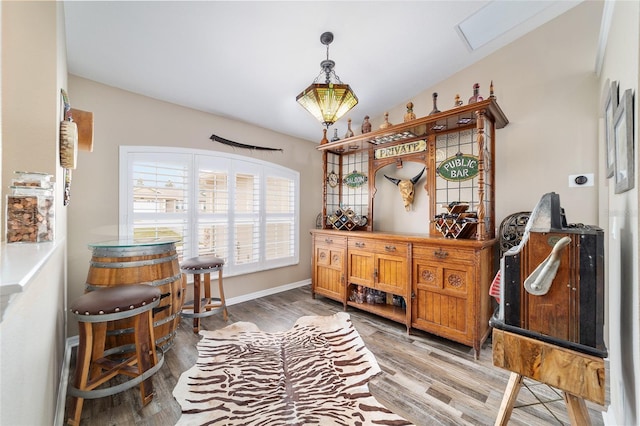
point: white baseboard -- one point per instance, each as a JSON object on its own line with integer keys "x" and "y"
{"x": 64, "y": 380}
{"x": 267, "y": 292}
{"x": 73, "y": 341}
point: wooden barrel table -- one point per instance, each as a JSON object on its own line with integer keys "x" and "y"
{"x": 144, "y": 261}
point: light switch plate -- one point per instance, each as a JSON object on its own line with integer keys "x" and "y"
{"x": 582, "y": 179}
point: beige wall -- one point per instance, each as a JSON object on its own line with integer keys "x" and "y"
{"x": 546, "y": 85}
{"x": 32, "y": 331}
{"x": 620, "y": 220}
{"x": 124, "y": 118}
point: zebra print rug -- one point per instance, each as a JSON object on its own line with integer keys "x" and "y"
{"x": 316, "y": 373}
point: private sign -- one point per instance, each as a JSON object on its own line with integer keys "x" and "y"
{"x": 459, "y": 168}
{"x": 405, "y": 148}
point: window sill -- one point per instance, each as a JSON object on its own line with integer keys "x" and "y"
{"x": 18, "y": 265}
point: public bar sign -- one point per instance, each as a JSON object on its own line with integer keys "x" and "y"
{"x": 459, "y": 168}
{"x": 402, "y": 149}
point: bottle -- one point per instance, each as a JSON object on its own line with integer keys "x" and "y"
{"x": 335, "y": 136}
{"x": 349, "y": 131}
{"x": 324, "y": 137}
{"x": 435, "y": 109}
{"x": 476, "y": 96}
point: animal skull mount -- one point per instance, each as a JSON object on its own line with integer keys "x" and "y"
{"x": 407, "y": 188}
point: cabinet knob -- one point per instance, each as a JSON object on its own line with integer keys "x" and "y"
{"x": 328, "y": 240}
{"x": 440, "y": 254}
{"x": 390, "y": 248}
{"x": 359, "y": 244}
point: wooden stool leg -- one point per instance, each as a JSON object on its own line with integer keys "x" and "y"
{"x": 225, "y": 315}
{"x": 197, "y": 300}
{"x": 509, "y": 399}
{"x": 207, "y": 289}
{"x": 144, "y": 346}
{"x": 577, "y": 408}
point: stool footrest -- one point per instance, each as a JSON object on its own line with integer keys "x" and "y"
{"x": 112, "y": 390}
{"x": 208, "y": 306}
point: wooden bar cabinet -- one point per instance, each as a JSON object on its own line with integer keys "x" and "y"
{"x": 436, "y": 279}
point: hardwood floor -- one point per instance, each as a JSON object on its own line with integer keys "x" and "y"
{"x": 428, "y": 380}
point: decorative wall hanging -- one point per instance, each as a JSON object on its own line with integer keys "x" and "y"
{"x": 84, "y": 121}
{"x": 459, "y": 168}
{"x": 610, "y": 105}
{"x": 402, "y": 149}
{"x": 224, "y": 141}
{"x": 623, "y": 136}
{"x": 406, "y": 187}
{"x": 355, "y": 179}
{"x": 68, "y": 136}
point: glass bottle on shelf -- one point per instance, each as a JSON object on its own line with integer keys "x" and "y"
{"x": 335, "y": 135}
{"x": 435, "y": 109}
{"x": 476, "y": 94}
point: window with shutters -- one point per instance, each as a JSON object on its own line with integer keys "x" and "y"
{"x": 241, "y": 209}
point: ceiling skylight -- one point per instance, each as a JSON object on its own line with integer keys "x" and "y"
{"x": 496, "y": 18}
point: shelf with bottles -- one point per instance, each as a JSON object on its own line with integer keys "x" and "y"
{"x": 456, "y": 118}
{"x": 368, "y": 299}
{"x": 457, "y": 222}
{"x": 347, "y": 220}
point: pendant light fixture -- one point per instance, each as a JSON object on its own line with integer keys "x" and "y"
{"x": 332, "y": 99}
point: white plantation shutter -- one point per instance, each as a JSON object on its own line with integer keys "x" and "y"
{"x": 159, "y": 203}
{"x": 241, "y": 209}
{"x": 246, "y": 218}
{"x": 280, "y": 217}
{"x": 213, "y": 209}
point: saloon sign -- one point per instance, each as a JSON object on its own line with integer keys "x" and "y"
{"x": 458, "y": 168}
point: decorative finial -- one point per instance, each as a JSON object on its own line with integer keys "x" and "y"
{"x": 409, "y": 115}
{"x": 386, "y": 121}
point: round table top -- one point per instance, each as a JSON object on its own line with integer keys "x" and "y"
{"x": 134, "y": 242}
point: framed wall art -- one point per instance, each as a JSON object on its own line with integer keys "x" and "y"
{"x": 623, "y": 141}
{"x": 610, "y": 96}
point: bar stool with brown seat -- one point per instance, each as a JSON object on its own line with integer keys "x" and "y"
{"x": 96, "y": 364}
{"x": 207, "y": 305}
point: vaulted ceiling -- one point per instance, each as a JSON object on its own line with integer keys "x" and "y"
{"x": 248, "y": 60}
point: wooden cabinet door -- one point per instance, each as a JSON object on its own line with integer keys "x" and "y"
{"x": 443, "y": 301}
{"x": 329, "y": 267}
{"x": 391, "y": 274}
{"x": 361, "y": 268}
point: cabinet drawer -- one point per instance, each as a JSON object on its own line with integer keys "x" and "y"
{"x": 355, "y": 243}
{"x": 327, "y": 240}
{"x": 391, "y": 248}
{"x": 443, "y": 254}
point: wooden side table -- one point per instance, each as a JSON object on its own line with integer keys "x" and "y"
{"x": 579, "y": 376}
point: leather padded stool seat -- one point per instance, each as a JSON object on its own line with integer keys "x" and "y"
{"x": 96, "y": 364}
{"x": 207, "y": 305}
